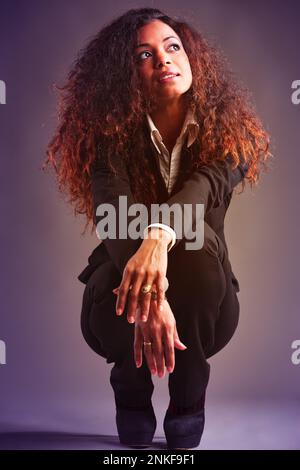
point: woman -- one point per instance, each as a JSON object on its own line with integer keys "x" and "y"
{"x": 150, "y": 113}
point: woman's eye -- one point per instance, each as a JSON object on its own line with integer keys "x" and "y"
{"x": 176, "y": 45}
{"x": 140, "y": 57}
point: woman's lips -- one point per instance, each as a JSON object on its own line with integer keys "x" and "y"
{"x": 168, "y": 78}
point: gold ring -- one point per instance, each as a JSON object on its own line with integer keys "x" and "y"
{"x": 146, "y": 288}
{"x": 153, "y": 295}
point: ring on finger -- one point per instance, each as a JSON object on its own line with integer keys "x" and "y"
{"x": 153, "y": 295}
{"x": 146, "y": 288}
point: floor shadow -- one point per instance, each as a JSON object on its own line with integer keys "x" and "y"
{"x": 44, "y": 440}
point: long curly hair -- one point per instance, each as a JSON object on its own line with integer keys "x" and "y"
{"x": 102, "y": 112}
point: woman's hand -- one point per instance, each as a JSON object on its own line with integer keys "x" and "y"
{"x": 159, "y": 330}
{"x": 147, "y": 266}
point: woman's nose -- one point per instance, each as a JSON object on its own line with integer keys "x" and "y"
{"x": 162, "y": 60}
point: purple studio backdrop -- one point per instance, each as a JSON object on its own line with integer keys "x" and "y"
{"x": 50, "y": 381}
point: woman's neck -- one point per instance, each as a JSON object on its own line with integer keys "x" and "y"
{"x": 169, "y": 118}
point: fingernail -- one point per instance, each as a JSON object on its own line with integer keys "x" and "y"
{"x": 144, "y": 318}
{"x": 119, "y": 311}
{"x": 131, "y": 319}
{"x": 153, "y": 371}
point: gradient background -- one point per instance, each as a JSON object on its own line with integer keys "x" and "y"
{"x": 52, "y": 380}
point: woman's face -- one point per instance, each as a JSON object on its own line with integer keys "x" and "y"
{"x": 159, "y": 51}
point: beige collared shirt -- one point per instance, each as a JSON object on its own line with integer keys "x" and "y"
{"x": 170, "y": 164}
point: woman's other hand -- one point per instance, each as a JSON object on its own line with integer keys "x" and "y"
{"x": 147, "y": 266}
{"x": 159, "y": 330}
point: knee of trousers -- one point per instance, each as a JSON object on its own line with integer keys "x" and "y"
{"x": 107, "y": 334}
{"x": 102, "y": 281}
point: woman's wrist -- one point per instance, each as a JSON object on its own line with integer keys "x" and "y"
{"x": 158, "y": 236}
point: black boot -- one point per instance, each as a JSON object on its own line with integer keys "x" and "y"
{"x": 136, "y": 425}
{"x": 133, "y": 388}
{"x": 184, "y": 426}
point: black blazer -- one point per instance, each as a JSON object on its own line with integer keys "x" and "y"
{"x": 211, "y": 185}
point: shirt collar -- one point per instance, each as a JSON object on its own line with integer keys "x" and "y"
{"x": 190, "y": 127}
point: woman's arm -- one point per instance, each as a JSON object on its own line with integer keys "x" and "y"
{"x": 137, "y": 260}
{"x": 106, "y": 188}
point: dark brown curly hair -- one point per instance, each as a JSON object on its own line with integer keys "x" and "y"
{"x": 102, "y": 112}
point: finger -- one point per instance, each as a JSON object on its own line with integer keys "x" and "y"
{"x": 138, "y": 346}
{"x": 160, "y": 289}
{"x": 150, "y": 358}
{"x": 145, "y": 299}
{"x": 169, "y": 352}
{"x": 133, "y": 297}
{"x": 177, "y": 343}
{"x": 123, "y": 291}
{"x": 158, "y": 353}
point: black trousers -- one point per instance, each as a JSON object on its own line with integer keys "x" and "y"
{"x": 203, "y": 297}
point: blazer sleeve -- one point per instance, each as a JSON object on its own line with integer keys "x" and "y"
{"x": 209, "y": 185}
{"x": 106, "y": 188}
